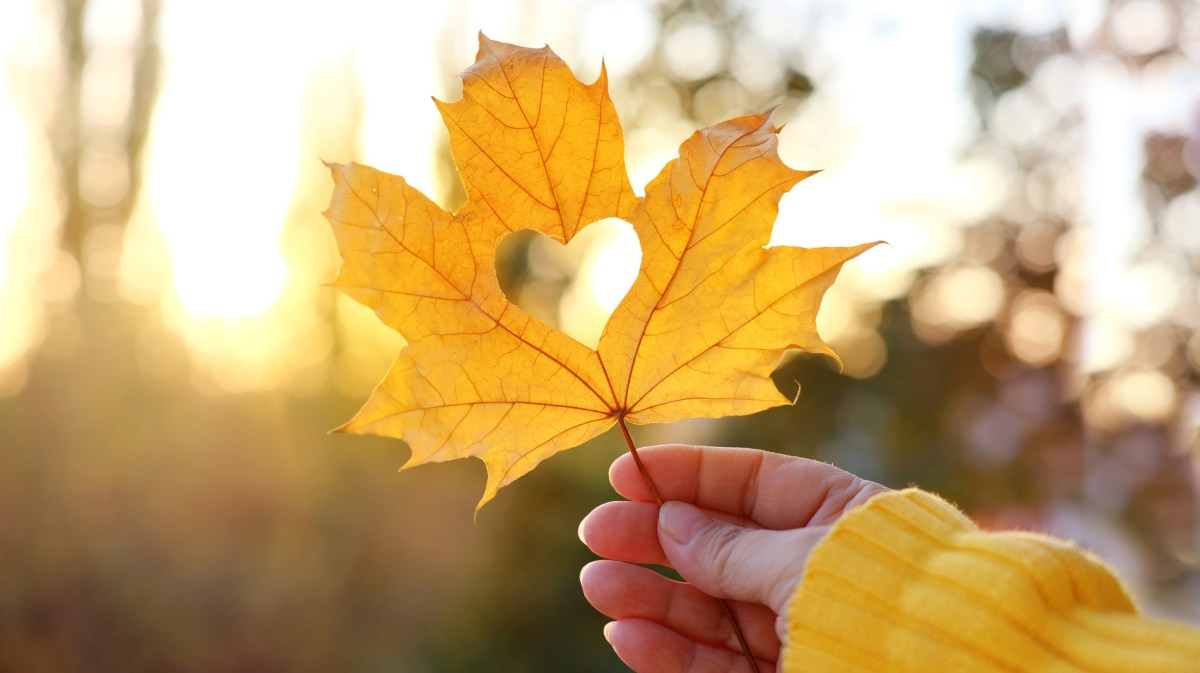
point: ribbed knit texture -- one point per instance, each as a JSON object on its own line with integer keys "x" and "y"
{"x": 907, "y": 583}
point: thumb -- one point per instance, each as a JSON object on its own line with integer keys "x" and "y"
{"x": 730, "y": 561}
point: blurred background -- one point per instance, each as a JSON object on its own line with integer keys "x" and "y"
{"x": 170, "y": 362}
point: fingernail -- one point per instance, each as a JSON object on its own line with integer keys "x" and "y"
{"x": 681, "y": 521}
{"x": 608, "y": 631}
{"x": 579, "y": 531}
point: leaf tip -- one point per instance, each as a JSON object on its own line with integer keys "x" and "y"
{"x": 864, "y": 247}
{"x": 602, "y": 78}
{"x": 336, "y": 166}
{"x": 412, "y": 462}
{"x": 484, "y": 43}
{"x": 841, "y": 366}
{"x": 488, "y": 494}
{"x": 768, "y": 117}
{"x": 350, "y": 427}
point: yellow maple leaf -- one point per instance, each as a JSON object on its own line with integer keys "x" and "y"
{"x": 698, "y": 334}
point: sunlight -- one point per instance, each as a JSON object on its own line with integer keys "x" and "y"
{"x": 222, "y": 160}
{"x": 13, "y": 175}
{"x": 258, "y": 279}
{"x": 18, "y": 309}
{"x": 228, "y": 237}
{"x": 610, "y": 264}
{"x": 225, "y": 164}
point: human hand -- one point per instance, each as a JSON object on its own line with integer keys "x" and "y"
{"x": 739, "y": 524}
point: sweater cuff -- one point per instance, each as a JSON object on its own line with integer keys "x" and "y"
{"x": 907, "y": 583}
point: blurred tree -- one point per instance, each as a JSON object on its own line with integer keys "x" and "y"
{"x": 98, "y": 149}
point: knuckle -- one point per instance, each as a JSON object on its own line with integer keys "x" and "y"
{"x": 725, "y": 557}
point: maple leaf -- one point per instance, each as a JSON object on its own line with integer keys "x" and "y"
{"x": 706, "y": 321}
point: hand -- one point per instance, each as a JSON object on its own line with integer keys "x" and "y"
{"x": 739, "y": 524}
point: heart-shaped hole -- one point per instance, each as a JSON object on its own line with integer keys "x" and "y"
{"x": 573, "y": 287}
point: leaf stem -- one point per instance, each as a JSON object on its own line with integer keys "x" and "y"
{"x": 725, "y": 606}
{"x": 638, "y": 459}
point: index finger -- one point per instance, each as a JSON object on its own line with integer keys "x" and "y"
{"x": 771, "y": 489}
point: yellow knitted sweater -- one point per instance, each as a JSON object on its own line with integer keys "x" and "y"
{"x": 907, "y": 583}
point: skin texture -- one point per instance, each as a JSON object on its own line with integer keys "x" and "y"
{"x": 739, "y": 524}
